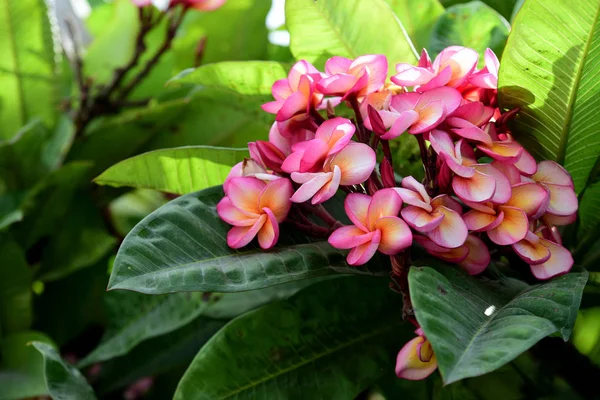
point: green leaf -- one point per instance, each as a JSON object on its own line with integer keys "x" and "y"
{"x": 64, "y": 381}
{"x": 22, "y": 366}
{"x": 27, "y": 65}
{"x": 180, "y": 171}
{"x": 477, "y": 325}
{"x": 158, "y": 355}
{"x": 549, "y": 70}
{"x": 473, "y": 25}
{"x": 129, "y": 209}
{"x": 81, "y": 241}
{"x": 505, "y": 7}
{"x": 182, "y": 247}
{"x": 243, "y": 37}
{"x": 15, "y": 287}
{"x": 589, "y": 214}
{"x": 325, "y": 342}
{"x": 418, "y": 18}
{"x": 348, "y": 28}
{"x": 56, "y": 149}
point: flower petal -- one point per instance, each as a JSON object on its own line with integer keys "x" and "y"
{"x": 363, "y": 253}
{"x": 532, "y": 253}
{"x": 420, "y": 219}
{"x": 338, "y": 84}
{"x": 310, "y": 187}
{"x": 503, "y": 189}
{"x": 230, "y": 214}
{"x": 276, "y": 197}
{"x": 551, "y": 172}
{"x": 409, "y": 75}
{"x": 384, "y": 203}
{"x": 240, "y": 236}
{"x": 337, "y": 65}
{"x": 509, "y": 152}
{"x": 559, "y": 263}
{"x": 479, "y": 256}
{"x": 244, "y": 193}
{"x": 513, "y": 227}
{"x": 330, "y": 188}
{"x": 563, "y": 200}
{"x": 430, "y": 116}
{"x": 526, "y": 163}
{"x": 409, "y": 182}
{"x": 357, "y": 207}
{"x": 529, "y": 197}
{"x": 348, "y": 237}
{"x": 450, "y": 98}
{"x": 509, "y": 170}
{"x": 478, "y": 221}
{"x": 269, "y": 233}
{"x": 395, "y": 235}
{"x": 409, "y": 365}
{"x": 402, "y": 123}
{"x": 480, "y": 187}
{"x": 356, "y": 161}
{"x": 451, "y": 232}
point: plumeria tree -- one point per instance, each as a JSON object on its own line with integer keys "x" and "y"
{"x": 410, "y": 210}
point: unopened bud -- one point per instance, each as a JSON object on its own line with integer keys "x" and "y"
{"x": 387, "y": 174}
{"x": 376, "y": 121}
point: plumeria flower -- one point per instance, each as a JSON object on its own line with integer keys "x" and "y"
{"x": 487, "y": 78}
{"x": 273, "y": 153}
{"x": 359, "y": 77}
{"x": 546, "y": 258}
{"x": 255, "y": 208}
{"x": 249, "y": 168}
{"x": 416, "y": 360}
{"x": 508, "y": 223}
{"x": 418, "y": 112}
{"x": 439, "y": 218}
{"x": 473, "y": 256}
{"x": 468, "y": 119}
{"x": 451, "y": 67}
{"x": 471, "y": 182}
{"x": 376, "y": 227}
{"x": 557, "y": 181}
{"x": 351, "y": 166}
{"x": 296, "y": 94}
{"x": 331, "y": 137}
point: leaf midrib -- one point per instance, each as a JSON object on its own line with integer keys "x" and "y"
{"x": 316, "y": 357}
{"x": 562, "y": 147}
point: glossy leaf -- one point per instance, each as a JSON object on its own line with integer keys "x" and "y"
{"x": 180, "y": 171}
{"x": 348, "y": 28}
{"x": 549, "y": 70}
{"x": 27, "y": 65}
{"x": 322, "y": 343}
{"x": 418, "y": 18}
{"x": 15, "y": 287}
{"x": 475, "y": 326}
{"x": 182, "y": 247}
{"x": 64, "y": 381}
{"x": 22, "y": 366}
{"x": 474, "y": 25}
{"x": 589, "y": 214}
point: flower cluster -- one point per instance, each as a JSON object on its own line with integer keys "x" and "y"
{"x": 482, "y": 190}
{"x": 201, "y": 5}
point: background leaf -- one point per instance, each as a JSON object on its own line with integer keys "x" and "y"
{"x": 63, "y": 380}
{"x": 27, "y": 65}
{"x": 476, "y": 326}
{"x": 347, "y": 28}
{"x": 418, "y": 18}
{"x": 322, "y": 343}
{"x": 182, "y": 247}
{"x": 473, "y": 25}
{"x": 180, "y": 171}
{"x": 549, "y": 69}
{"x": 15, "y": 287}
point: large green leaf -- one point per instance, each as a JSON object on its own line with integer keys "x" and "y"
{"x": 27, "y": 65}
{"x": 15, "y": 287}
{"x": 477, "y": 325}
{"x": 474, "y": 25}
{"x": 22, "y": 366}
{"x": 330, "y": 341}
{"x": 181, "y": 170}
{"x": 64, "y": 381}
{"x": 418, "y": 18}
{"x": 589, "y": 215}
{"x": 348, "y": 28}
{"x": 505, "y": 7}
{"x": 243, "y": 37}
{"x": 182, "y": 247}
{"x": 549, "y": 69}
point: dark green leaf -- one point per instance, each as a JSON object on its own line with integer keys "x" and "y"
{"x": 182, "y": 247}
{"x": 473, "y": 25}
{"x": 15, "y": 287}
{"x": 181, "y": 170}
{"x": 64, "y": 381}
{"x": 477, "y": 325}
{"x": 27, "y": 65}
{"x": 325, "y": 342}
{"x": 22, "y": 366}
{"x": 549, "y": 70}
{"x": 418, "y": 18}
{"x": 56, "y": 149}
{"x": 348, "y": 28}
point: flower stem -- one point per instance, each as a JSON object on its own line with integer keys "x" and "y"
{"x": 428, "y": 165}
{"x": 399, "y": 275}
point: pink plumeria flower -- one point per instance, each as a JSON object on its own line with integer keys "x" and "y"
{"x": 439, "y": 218}
{"x": 487, "y": 78}
{"x": 201, "y": 5}
{"x": 473, "y": 256}
{"x": 142, "y": 3}
{"x": 545, "y": 257}
{"x": 359, "y": 77}
{"x": 468, "y": 119}
{"x": 451, "y": 67}
{"x": 296, "y": 94}
{"x": 249, "y": 168}
{"x": 508, "y": 223}
{"x": 418, "y": 112}
{"x": 376, "y": 227}
{"x": 471, "y": 182}
{"x": 351, "y": 166}
{"x": 331, "y": 137}
{"x": 557, "y": 181}
{"x": 255, "y": 208}
{"x": 416, "y": 360}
